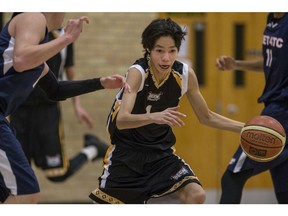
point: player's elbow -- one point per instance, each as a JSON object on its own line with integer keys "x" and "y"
{"x": 20, "y": 64}
{"x": 205, "y": 119}
{"x": 119, "y": 123}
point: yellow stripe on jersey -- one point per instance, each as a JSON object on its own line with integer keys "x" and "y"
{"x": 158, "y": 85}
{"x": 116, "y": 109}
{"x": 177, "y": 78}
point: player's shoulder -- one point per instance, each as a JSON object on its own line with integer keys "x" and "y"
{"x": 178, "y": 64}
{"x": 180, "y": 67}
{"x": 28, "y": 21}
{"x": 141, "y": 65}
{"x": 142, "y": 62}
{"x": 29, "y": 16}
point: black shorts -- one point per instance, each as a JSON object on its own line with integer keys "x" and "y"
{"x": 133, "y": 177}
{"x": 40, "y": 132}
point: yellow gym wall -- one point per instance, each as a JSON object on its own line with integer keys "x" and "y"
{"x": 112, "y": 41}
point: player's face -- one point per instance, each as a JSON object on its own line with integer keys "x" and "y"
{"x": 163, "y": 55}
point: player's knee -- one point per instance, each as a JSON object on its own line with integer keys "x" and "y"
{"x": 192, "y": 194}
{"x": 34, "y": 198}
{"x": 30, "y": 199}
{"x": 194, "y": 198}
{"x": 198, "y": 197}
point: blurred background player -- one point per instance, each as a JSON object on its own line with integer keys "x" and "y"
{"x": 274, "y": 96}
{"x": 45, "y": 146}
{"x": 24, "y": 51}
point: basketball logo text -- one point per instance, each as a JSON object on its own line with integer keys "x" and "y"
{"x": 260, "y": 138}
{"x": 257, "y": 152}
{"x": 153, "y": 96}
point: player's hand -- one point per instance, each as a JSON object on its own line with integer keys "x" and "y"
{"x": 74, "y": 27}
{"x": 82, "y": 115}
{"x": 225, "y": 63}
{"x": 114, "y": 82}
{"x": 170, "y": 116}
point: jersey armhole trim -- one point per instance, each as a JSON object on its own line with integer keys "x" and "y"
{"x": 141, "y": 70}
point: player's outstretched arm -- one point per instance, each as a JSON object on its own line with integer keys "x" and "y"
{"x": 228, "y": 63}
{"x": 61, "y": 90}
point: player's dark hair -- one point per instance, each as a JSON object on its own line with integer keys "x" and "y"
{"x": 158, "y": 28}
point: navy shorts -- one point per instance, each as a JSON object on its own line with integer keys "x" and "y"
{"x": 279, "y": 166}
{"x": 16, "y": 174}
{"x": 133, "y": 177}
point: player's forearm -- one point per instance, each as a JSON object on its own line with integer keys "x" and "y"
{"x": 61, "y": 90}
{"x": 256, "y": 65}
{"x": 70, "y": 73}
{"x": 133, "y": 120}
{"x": 221, "y": 122}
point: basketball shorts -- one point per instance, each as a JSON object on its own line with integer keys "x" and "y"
{"x": 16, "y": 174}
{"x": 133, "y": 177}
{"x": 279, "y": 166}
{"x": 40, "y": 132}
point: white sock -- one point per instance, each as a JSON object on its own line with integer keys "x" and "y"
{"x": 90, "y": 151}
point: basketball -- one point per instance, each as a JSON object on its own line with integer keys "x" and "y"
{"x": 262, "y": 138}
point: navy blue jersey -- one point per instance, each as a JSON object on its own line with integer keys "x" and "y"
{"x": 15, "y": 87}
{"x": 150, "y": 98}
{"x": 275, "y": 53}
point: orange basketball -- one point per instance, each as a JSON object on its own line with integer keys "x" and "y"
{"x": 263, "y": 138}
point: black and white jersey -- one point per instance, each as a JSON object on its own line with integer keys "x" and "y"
{"x": 150, "y": 98}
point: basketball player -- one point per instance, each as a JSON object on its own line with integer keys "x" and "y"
{"x": 24, "y": 50}
{"x": 274, "y": 97}
{"x": 46, "y": 144}
{"x": 141, "y": 164}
